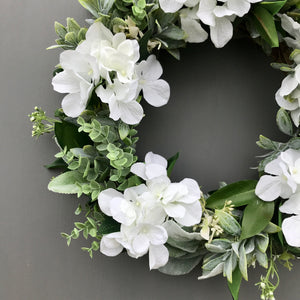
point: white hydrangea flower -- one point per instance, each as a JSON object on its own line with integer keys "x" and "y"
{"x": 288, "y": 96}
{"x": 218, "y": 18}
{"x": 80, "y": 75}
{"x": 141, "y": 217}
{"x": 190, "y": 24}
{"x": 172, "y": 6}
{"x": 121, "y": 99}
{"x": 113, "y": 52}
{"x": 155, "y": 91}
{"x": 138, "y": 240}
{"x": 179, "y": 200}
{"x": 293, "y": 28}
{"x": 154, "y": 166}
{"x": 240, "y": 7}
{"x": 136, "y": 206}
{"x": 285, "y": 180}
{"x": 290, "y": 226}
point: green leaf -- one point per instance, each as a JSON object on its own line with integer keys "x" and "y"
{"x": 180, "y": 266}
{"x": 284, "y": 122}
{"x": 60, "y": 30}
{"x": 273, "y": 6}
{"x": 265, "y": 25}
{"x": 67, "y": 135}
{"x": 108, "y": 225}
{"x": 91, "y": 6}
{"x": 257, "y": 216}
{"x": 228, "y": 222}
{"x": 66, "y": 183}
{"x": 240, "y": 193}
{"x": 171, "y": 163}
{"x": 172, "y": 32}
{"x": 58, "y": 163}
{"x": 234, "y": 287}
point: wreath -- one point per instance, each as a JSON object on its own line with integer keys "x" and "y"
{"x": 107, "y": 71}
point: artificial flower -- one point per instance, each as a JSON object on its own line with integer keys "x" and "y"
{"x": 121, "y": 99}
{"x": 78, "y": 79}
{"x": 293, "y": 28}
{"x": 112, "y": 52}
{"x": 155, "y": 91}
{"x": 172, "y": 6}
{"x": 138, "y": 240}
{"x": 155, "y": 166}
{"x": 284, "y": 178}
{"x": 288, "y": 96}
{"x": 191, "y": 26}
{"x": 179, "y": 200}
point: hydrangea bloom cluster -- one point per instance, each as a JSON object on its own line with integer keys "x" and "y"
{"x": 288, "y": 96}
{"x": 113, "y": 59}
{"x": 284, "y": 182}
{"x": 218, "y": 17}
{"x": 143, "y": 210}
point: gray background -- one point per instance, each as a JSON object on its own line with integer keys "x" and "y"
{"x": 221, "y": 100}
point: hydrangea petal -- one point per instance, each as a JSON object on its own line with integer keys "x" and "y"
{"x": 131, "y": 113}
{"x": 157, "y": 93}
{"x": 158, "y": 256}
{"x": 109, "y": 246}
{"x": 268, "y": 188}
{"x": 171, "y": 6}
{"x": 158, "y": 235}
{"x": 291, "y": 206}
{"x": 66, "y": 82}
{"x": 105, "y": 198}
{"x": 193, "y": 213}
{"x": 222, "y": 32}
{"x": 73, "y": 105}
{"x": 291, "y": 230}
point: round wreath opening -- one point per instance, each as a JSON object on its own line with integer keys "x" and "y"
{"x": 107, "y": 71}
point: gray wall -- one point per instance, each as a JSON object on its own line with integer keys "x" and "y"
{"x": 221, "y": 100}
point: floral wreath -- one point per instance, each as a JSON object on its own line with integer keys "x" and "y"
{"x": 107, "y": 71}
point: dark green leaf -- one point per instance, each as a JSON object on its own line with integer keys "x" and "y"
{"x": 265, "y": 25}
{"x": 108, "y": 225}
{"x": 234, "y": 287}
{"x": 257, "y": 216}
{"x": 172, "y": 162}
{"x": 240, "y": 193}
{"x": 68, "y": 136}
{"x": 273, "y": 6}
{"x": 284, "y": 122}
